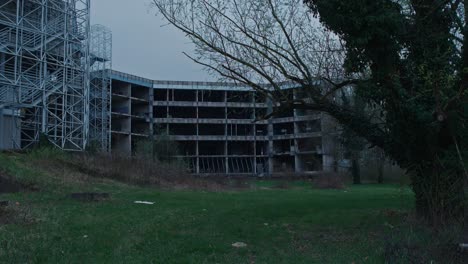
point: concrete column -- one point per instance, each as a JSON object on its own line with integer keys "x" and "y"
{"x": 130, "y": 147}
{"x": 254, "y": 130}
{"x": 197, "y": 169}
{"x": 270, "y": 138}
{"x": 167, "y": 103}
{"x": 150, "y": 112}
{"x": 297, "y": 157}
{"x": 328, "y": 143}
{"x": 226, "y": 159}
{"x": 197, "y": 131}
{"x": 226, "y": 153}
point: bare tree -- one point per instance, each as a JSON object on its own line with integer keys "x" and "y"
{"x": 255, "y": 42}
{"x": 269, "y": 44}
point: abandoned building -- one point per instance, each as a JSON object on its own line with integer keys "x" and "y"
{"x": 56, "y": 79}
{"x": 218, "y": 127}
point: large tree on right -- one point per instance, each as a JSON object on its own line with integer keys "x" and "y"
{"x": 415, "y": 53}
{"x": 406, "y": 60}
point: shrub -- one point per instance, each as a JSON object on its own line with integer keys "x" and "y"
{"x": 421, "y": 244}
{"x": 162, "y": 149}
{"x": 329, "y": 180}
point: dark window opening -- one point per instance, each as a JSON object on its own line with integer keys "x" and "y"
{"x": 211, "y": 112}
{"x": 211, "y": 148}
{"x": 284, "y": 164}
{"x": 187, "y": 148}
{"x": 182, "y": 112}
{"x": 160, "y": 95}
{"x": 309, "y": 126}
{"x": 261, "y": 148}
{"x": 261, "y": 130}
{"x": 211, "y": 130}
{"x": 241, "y": 148}
{"x": 211, "y": 96}
{"x": 140, "y": 92}
{"x": 240, "y": 113}
{"x": 185, "y": 95}
{"x": 240, "y": 130}
{"x": 239, "y": 97}
{"x": 309, "y": 144}
{"x": 160, "y": 111}
{"x": 283, "y": 146}
{"x": 283, "y": 129}
{"x": 182, "y": 129}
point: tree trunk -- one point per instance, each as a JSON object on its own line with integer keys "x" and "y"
{"x": 380, "y": 172}
{"x": 439, "y": 195}
{"x": 356, "y": 171}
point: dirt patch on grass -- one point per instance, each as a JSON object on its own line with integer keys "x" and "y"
{"x": 16, "y": 213}
{"x": 90, "y": 197}
{"x": 10, "y": 185}
{"x": 7, "y": 185}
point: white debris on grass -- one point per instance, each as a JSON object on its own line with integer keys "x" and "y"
{"x": 239, "y": 245}
{"x": 144, "y": 202}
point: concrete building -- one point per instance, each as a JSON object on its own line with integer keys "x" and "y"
{"x": 56, "y": 80}
{"x": 218, "y": 126}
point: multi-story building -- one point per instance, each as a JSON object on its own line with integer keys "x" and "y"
{"x": 56, "y": 81}
{"x": 219, "y": 127}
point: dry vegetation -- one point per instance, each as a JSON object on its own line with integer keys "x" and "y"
{"x": 82, "y": 168}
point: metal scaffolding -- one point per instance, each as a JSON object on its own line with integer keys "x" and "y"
{"x": 100, "y": 87}
{"x": 44, "y": 70}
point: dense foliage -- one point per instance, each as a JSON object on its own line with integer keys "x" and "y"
{"x": 414, "y": 53}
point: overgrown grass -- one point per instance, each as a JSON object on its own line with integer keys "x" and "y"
{"x": 297, "y": 224}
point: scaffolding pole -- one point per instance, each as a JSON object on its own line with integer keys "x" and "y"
{"x": 44, "y": 69}
{"x": 100, "y": 88}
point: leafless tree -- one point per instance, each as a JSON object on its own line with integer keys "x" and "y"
{"x": 263, "y": 43}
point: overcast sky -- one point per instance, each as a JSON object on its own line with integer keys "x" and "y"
{"x": 141, "y": 46}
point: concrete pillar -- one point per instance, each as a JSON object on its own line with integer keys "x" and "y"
{"x": 226, "y": 159}
{"x": 254, "y": 130}
{"x": 270, "y": 149}
{"x": 197, "y": 169}
{"x": 297, "y": 158}
{"x": 129, "y": 119}
{"x": 150, "y": 112}
{"x": 226, "y": 151}
{"x": 329, "y": 161}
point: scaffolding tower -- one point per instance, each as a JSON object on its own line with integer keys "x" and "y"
{"x": 100, "y": 88}
{"x": 44, "y": 71}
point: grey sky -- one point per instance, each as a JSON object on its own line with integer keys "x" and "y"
{"x": 141, "y": 46}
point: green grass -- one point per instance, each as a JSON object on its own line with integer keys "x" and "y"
{"x": 296, "y": 225}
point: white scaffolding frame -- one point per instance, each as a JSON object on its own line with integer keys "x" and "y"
{"x": 44, "y": 69}
{"x": 100, "y": 87}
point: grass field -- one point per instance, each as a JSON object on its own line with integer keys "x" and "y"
{"x": 295, "y": 225}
